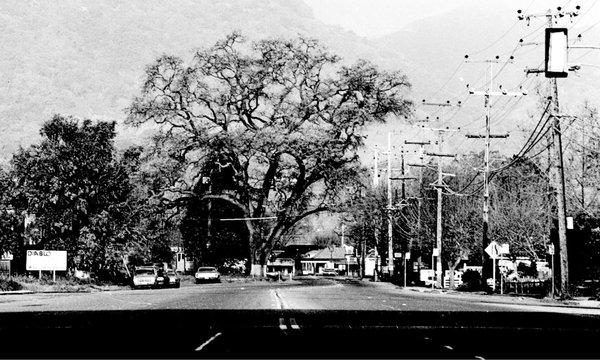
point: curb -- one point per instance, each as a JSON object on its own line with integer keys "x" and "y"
{"x": 493, "y": 300}
{"x": 16, "y": 292}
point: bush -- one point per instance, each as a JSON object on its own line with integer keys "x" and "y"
{"x": 471, "y": 281}
{"x": 9, "y": 285}
{"x": 525, "y": 270}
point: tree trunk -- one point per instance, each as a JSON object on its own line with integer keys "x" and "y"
{"x": 258, "y": 256}
{"x": 451, "y": 267}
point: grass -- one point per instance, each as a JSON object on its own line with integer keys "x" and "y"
{"x": 45, "y": 284}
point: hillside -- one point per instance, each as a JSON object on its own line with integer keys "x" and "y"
{"x": 86, "y": 58}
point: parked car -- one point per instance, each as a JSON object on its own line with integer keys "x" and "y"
{"x": 144, "y": 276}
{"x": 172, "y": 279}
{"x": 329, "y": 272}
{"x": 206, "y": 273}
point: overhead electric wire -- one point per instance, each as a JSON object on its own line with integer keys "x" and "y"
{"x": 527, "y": 146}
{"x": 503, "y": 34}
{"x": 448, "y": 80}
{"x": 582, "y": 15}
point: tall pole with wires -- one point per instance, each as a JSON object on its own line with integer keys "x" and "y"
{"x": 439, "y": 185}
{"x": 557, "y": 175}
{"x": 487, "y": 136}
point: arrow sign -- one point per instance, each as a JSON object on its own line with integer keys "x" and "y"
{"x": 493, "y": 249}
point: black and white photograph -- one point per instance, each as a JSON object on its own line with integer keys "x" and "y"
{"x": 300, "y": 179}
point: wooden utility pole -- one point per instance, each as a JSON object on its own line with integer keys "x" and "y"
{"x": 439, "y": 187}
{"x": 557, "y": 175}
{"x": 390, "y": 262}
{"x": 487, "y": 136}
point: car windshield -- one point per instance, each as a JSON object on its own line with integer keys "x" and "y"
{"x": 193, "y": 171}
{"x": 207, "y": 269}
{"x": 144, "y": 271}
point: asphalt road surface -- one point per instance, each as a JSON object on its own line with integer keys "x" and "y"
{"x": 307, "y": 294}
{"x": 308, "y": 318}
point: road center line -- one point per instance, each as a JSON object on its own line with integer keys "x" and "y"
{"x": 199, "y": 348}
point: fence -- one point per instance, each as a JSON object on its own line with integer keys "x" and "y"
{"x": 528, "y": 288}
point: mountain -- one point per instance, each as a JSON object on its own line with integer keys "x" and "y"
{"x": 86, "y": 58}
{"x": 483, "y": 30}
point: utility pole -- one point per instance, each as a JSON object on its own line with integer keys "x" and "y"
{"x": 487, "y": 136}
{"x": 375, "y": 232}
{"x": 439, "y": 187}
{"x": 389, "y": 207}
{"x": 557, "y": 176}
{"x": 375, "y": 170}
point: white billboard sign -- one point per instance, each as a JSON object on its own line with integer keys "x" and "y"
{"x": 46, "y": 260}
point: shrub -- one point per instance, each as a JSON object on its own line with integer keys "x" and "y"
{"x": 471, "y": 281}
{"x": 9, "y": 285}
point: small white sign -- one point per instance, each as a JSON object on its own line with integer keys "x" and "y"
{"x": 493, "y": 250}
{"x": 551, "y": 249}
{"x": 407, "y": 256}
{"x": 504, "y": 249}
{"x": 46, "y": 260}
{"x": 436, "y": 252}
{"x": 570, "y": 222}
{"x": 397, "y": 255}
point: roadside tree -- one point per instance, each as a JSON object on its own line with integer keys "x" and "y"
{"x": 282, "y": 116}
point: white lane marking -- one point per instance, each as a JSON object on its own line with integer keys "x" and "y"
{"x": 448, "y": 347}
{"x": 199, "y": 348}
{"x": 277, "y": 299}
{"x": 479, "y": 357}
{"x": 294, "y": 324}
{"x": 282, "y": 324}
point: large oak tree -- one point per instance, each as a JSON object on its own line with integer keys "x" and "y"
{"x": 283, "y": 116}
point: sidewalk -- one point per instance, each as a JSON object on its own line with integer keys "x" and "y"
{"x": 579, "y": 302}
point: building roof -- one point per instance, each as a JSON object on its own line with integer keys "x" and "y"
{"x": 337, "y": 252}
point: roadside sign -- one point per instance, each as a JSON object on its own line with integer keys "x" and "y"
{"x": 551, "y": 249}
{"x": 570, "y": 222}
{"x": 493, "y": 249}
{"x": 407, "y": 256}
{"x": 436, "y": 252}
{"x": 397, "y": 255}
{"x": 504, "y": 249}
{"x": 46, "y": 260}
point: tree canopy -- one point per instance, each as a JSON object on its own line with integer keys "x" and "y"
{"x": 284, "y": 117}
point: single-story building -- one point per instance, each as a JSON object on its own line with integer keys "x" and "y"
{"x": 339, "y": 258}
{"x": 281, "y": 265}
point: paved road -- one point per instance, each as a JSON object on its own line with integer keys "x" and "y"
{"x": 308, "y": 294}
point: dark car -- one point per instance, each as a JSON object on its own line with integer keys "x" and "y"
{"x": 172, "y": 279}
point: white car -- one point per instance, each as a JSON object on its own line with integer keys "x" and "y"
{"x": 144, "y": 276}
{"x": 206, "y": 273}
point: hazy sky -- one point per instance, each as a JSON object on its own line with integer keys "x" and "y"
{"x": 379, "y": 17}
